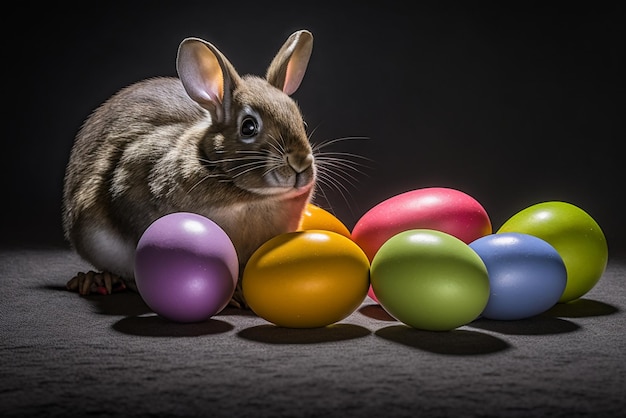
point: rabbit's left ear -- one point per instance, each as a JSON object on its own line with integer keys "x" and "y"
{"x": 289, "y": 65}
{"x": 208, "y": 77}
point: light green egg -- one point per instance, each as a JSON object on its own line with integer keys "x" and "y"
{"x": 429, "y": 280}
{"x": 575, "y": 235}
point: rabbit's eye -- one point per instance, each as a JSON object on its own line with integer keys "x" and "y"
{"x": 249, "y": 127}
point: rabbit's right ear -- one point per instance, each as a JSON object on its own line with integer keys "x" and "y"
{"x": 207, "y": 76}
{"x": 286, "y": 70}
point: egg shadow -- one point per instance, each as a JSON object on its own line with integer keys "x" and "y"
{"x": 272, "y": 334}
{"x": 581, "y": 308}
{"x": 455, "y": 342}
{"x": 536, "y": 325}
{"x": 375, "y": 311}
{"x": 230, "y": 310}
{"x": 152, "y": 325}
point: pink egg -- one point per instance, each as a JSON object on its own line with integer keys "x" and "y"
{"x": 437, "y": 208}
{"x": 371, "y": 294}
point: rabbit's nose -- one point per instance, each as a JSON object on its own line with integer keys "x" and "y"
{"x": 299, "y": 162}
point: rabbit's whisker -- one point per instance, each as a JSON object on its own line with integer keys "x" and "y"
{"x": 337, "y": 170}
{"x": 324, "y": 144}
{"x": 203, "y": 179}
{"x": 247, "y": 170}
{"x": 337, "y": 182}
{"x": 329, "y": 182}
{"x": 340, "y": 175}
{"x": 230, "y": 160}
{"x": 344, "y": 155}
{"x": 278, "y": 144}
{"x": 341, "y": 163}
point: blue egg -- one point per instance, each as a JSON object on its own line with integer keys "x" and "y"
{"x": 527, "y": 276}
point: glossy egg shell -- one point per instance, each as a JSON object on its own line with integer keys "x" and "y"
{"x": 306, "y": 279}
{"x": 186, "y": 267}
{"x": 438, "y": 208}
{"x": 574, "y": 234}
{"x": 314, "y": 217}
{"x": 526, "y": 275}
{"x": 430, "y": 280}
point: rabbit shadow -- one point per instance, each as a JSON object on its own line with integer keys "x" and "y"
{"x": 118, "y": 303}
{"x": 138, "y": 319}
{"x": 125, "y": 303}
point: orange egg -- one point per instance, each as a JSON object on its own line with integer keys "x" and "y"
{"x": 306, "y": 279}
{"x": 315, "y": 217}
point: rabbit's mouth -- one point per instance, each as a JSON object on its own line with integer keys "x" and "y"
{"x": 292, "y": 191}
{"x": 294, "y": 176}
{"x": 289, "y": 185}
{"x": 291, "y": 176}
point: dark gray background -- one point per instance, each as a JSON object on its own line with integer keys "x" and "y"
{"x": 512, "y": 105}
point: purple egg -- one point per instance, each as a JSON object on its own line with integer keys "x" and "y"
{"x": 527, "y": 276}
{"x": 186, "y": 267}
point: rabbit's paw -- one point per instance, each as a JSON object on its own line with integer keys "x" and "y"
{"x": 103, "y": 283}
{"x": 238, "y": 301}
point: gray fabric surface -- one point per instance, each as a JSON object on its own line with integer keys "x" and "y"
{"x": 63, "y": 355}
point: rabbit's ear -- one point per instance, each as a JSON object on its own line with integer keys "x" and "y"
{"x": 208, "y": 77}
{"x": 288, "y": 66}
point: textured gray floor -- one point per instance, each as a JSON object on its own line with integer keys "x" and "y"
{"x": 63, "y": 355}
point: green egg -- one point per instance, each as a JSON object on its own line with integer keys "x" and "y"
{"x": 575, "y": 235}
{"x": 429, "y": 280}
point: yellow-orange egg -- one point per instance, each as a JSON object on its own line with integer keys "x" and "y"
{"x": 315, "y": 217}
{"x": 306, "y": 279}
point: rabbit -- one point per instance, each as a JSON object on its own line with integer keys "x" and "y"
{"x": 231, "y": 148}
